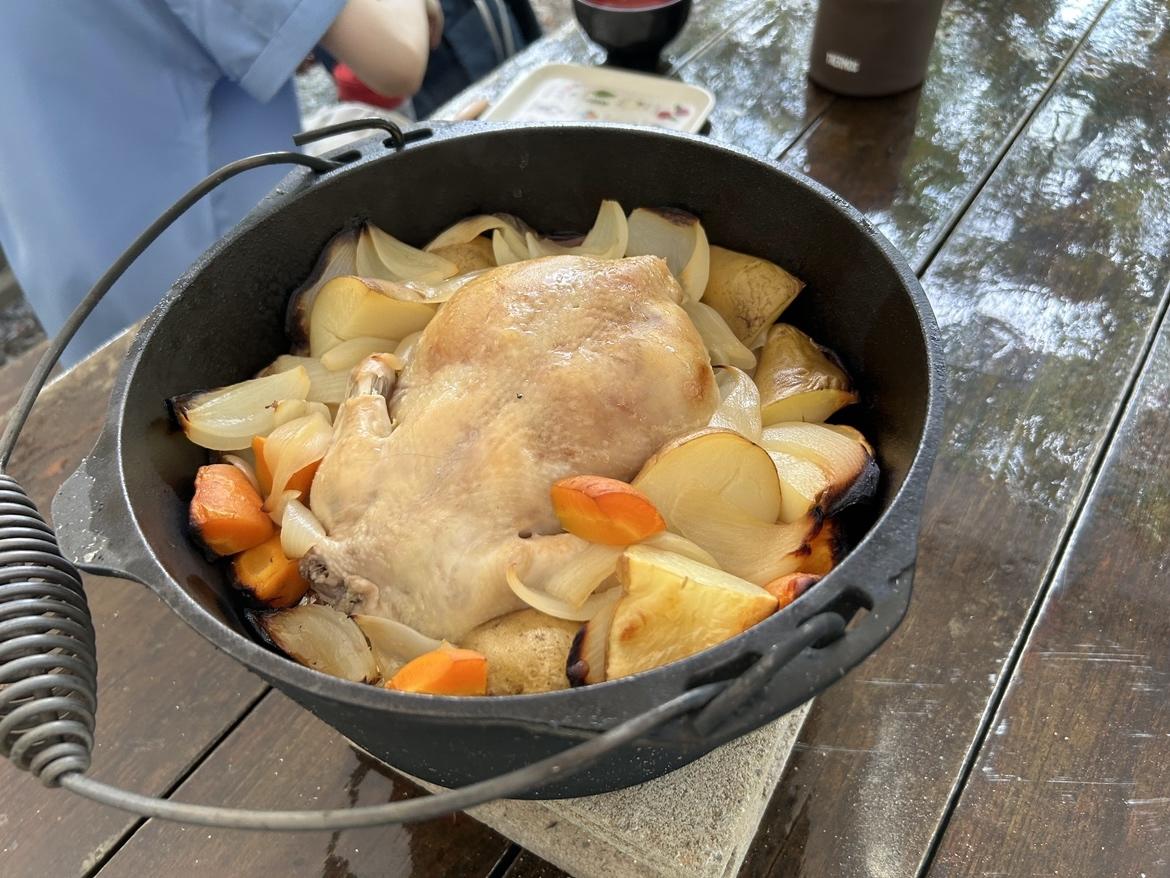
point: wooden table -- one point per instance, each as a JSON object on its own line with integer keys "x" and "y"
{"x": 1019, "y": 721}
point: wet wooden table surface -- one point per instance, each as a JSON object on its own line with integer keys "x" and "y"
{"x": 1018, "y": 723}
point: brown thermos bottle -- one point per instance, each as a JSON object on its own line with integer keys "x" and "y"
{"x": 868, "y": 48}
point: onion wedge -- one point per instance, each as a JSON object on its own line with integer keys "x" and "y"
{"x": 299, "y": 529}
{"x": 740, "y": 406}
{"x": 555, "y": 607}
{"x": 384, "y": 257}
{"x": 743, "y": 545}
{"x": 719, "y": 461}
{"x": 580, "y": 576}
{"x": 394, "y": 644}
{"x": 506, "y": 249}
{"x": 434, "y": 294}
{"x": 291, "y": 409}
{"x": 850, "y": 470}
{"x": 349, "y": 353}
{"x": 289, "y": 449}
{"x": 680, "y": 545}
{"x": 678, "y": 237}
{"x": 326, "y": 384}
{"x": 338, "y": 258}
{"x": 323, "y": 639}
{"x": 471, "y": 228}
{"x": 722, "y": 345}
{"x": 606, "y": 240}
{"x": 586, "y": 662}
{"x": 226, "y": 419}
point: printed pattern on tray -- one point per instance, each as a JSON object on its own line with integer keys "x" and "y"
{"x": 562, "y": 99}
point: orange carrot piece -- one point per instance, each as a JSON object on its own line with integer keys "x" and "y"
{"x": 443, "y": 671}
{"x": 268, "y": 576}
{"x": 301, "y": 480}
{"x": 263, "y": 473}
{"x": 789, "y": 587}
{"x": 604, "y": 510}
{"x": 226, "y": 513}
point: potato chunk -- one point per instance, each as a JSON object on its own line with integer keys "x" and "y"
{"x": 674, "y": 607}
{"x": 750, "y": 293}
{"x": 526, "y": 652}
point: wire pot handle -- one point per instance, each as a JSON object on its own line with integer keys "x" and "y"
{"x": 48, "y": 655}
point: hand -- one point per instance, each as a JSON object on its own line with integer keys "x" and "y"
{"x": 435, "y": 22}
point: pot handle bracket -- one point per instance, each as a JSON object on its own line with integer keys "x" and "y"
{"x": 87, "y": 498}
{"x": 721, "y": 711}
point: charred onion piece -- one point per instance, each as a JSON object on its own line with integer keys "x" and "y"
{"x": 227, "y": 418}
{"x": 850, "y": 468}
{"x": 321, "y": 638}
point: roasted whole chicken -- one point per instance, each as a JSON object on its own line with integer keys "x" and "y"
{"x": 536, "y": 371}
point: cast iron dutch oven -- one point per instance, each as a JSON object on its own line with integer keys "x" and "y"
{"x": 123, "y": 512}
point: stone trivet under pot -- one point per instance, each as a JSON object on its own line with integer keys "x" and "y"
{"x": 697, "y": 822}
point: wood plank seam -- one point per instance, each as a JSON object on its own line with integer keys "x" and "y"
{"x": 179, "y": 779}
{"x": 1060, "y": 557}
{"x": 1005, "y": 147}
{"x": 778, "y": 154}
{"x": 504, "y": 863}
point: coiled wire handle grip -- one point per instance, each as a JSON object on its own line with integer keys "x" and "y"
{"x": 48, "y": 657}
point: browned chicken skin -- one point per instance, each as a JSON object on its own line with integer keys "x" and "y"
{"x": 533, "y": 372}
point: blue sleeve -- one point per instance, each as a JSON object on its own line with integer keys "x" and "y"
{"x": 257, "y": 43}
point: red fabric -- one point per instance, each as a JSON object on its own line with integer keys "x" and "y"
{"x": 350, "y": 88}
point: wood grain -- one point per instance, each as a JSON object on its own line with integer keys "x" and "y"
{"x": 1074, "y": 778}
{"x": 165, "y": 695}
{"x": 1045, "y": 293}
{"x": 911, "y": 162}
{"x": 281, "y": 756}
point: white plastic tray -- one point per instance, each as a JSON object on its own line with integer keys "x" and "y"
{"x": 576, "y": 93}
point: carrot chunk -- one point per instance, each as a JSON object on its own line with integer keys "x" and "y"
{"x": 263, "y": 473}
{"x": 604, "y": 510}
{"x": 226, "y": 513}
{"x": 301, "y": 480}
{"x": 269, "y": 576}
{"x": 443, "y": 671}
